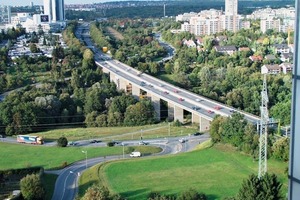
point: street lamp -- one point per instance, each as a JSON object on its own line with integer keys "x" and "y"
{"x": 123, "y": 150}
{"x": 85, "y": 152}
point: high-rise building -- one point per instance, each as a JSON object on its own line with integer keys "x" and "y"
{"x": 231, "y": 7}
{"x": 55, "y": 10}
{"x": 5, "y": 14}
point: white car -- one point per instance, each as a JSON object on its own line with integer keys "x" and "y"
{"x": 135, "y": 154}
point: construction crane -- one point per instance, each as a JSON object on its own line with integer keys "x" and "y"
{"x": 263, "y": 134}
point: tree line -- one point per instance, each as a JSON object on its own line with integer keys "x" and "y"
{"x": 76, "y": 93}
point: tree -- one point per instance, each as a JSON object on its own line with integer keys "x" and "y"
{"x": 99, "y": 193}
{"x": 215, "y": 129}
{"x": 280, "y": 149}
{"x": 32, "y": 188}
{"x": 139, "y": 114}
{"x": 62, "y": 142}
{"x": 267, "y": 188}
{"x": 191, "y": 194}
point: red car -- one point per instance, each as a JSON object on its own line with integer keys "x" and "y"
{"x": 210, "y": 112}
{"x": 181, "y": 99}
{"x": 165, "y": 92}
{"x": 217, "y": 107}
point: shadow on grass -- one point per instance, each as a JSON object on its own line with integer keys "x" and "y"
{"x": 212, "y": 196}
{"x": 135, "y": 194}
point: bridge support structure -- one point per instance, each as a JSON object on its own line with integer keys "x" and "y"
{"x": 156, "y": 104}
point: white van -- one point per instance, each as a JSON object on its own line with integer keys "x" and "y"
{"x": 135, "y": 154}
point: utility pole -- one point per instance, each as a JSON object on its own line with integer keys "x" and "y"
{"x": 263, "y": 134}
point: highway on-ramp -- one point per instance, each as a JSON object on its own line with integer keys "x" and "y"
{"x": 66, "y": 186}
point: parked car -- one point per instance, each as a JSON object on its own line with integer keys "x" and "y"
{"x": 196, "y": 134}
{"x": 72, "y": 143}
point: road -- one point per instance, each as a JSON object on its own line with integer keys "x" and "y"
{"x": 189, "y": 101}
{"x": 66, "y": 186}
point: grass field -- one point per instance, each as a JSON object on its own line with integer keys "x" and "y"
{"x": 21, "y": 156}
{"x": 217, "y": 171}
{"x": 114, "y": 33}
{"x": 118, "y": 133}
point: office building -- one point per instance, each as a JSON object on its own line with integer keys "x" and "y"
{"x": 55, "y": 10}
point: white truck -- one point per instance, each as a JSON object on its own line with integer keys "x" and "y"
{"x": 135, "y": 154}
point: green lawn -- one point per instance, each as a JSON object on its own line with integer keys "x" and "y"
{"x": 217, "y": 171}
{"x": 22, "y": 155}
{"x": 118, "y": 133}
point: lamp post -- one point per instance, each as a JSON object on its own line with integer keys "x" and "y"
{"x": 85, "y": 152}
{"x": 123, "y": 150}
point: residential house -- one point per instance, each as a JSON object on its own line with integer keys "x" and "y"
{"x": 189, "y": 43}
{"x": 256, "y": 58}
{"x": 226, "y": 49}
{"x": 270, "y": 69}
{"x": 281, "y": 48}
{"x": 286, "y": 67}
{"x": 286, "y": 57}
{"x": 199, "y": 41}
{"x": 270, "y": 57}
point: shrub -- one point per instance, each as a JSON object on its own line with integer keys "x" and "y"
{"x": 62, "y": 142}
{"x": 32, "y": 188}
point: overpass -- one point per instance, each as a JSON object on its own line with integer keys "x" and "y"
{"x": 132, "y": 81}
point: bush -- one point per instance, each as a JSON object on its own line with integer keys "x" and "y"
{"x": 191, "y": 194}
{"x": 62, "y": 142}
{"x": 110, "y": 144}
{"x": 32, "y": 188}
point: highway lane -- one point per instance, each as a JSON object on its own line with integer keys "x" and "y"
{"x": 208, "y": 108}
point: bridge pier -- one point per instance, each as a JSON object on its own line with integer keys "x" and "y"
{"x": 178, "y": 114}
{"x": 195, "y": 118}
{"x": 135, "y": 92}
{"x": 203, "y": 124}
{"x": 156, "y": 104}
{"x": 170, "y": 111}
{"x": 123, "y": 84}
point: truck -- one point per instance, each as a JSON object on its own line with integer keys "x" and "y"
{"x": 27, "y": 139}
{"x": 135, "y": 154}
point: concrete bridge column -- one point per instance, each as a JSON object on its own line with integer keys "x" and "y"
{"x": 204, "y": 124}
{"x": 170, "y": 111}
{"x": 112, "y": 77}
{"x": 195, "y": 118}
{"x": 178, "y": 114}
{"x": 123, "y": 84}
{"x": 156, "y": 104}
{"x": 135, "y": 92}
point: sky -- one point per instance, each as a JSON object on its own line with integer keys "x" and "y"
{"x": 40, "y": 2}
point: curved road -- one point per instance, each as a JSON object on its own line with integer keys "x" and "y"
{"x": 66, "y": 187}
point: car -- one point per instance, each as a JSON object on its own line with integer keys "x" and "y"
{"x": 72, "y": 143}
{"x": 217, "y": 107}
{"x": 95, "y": 141}
{"x": 196, "y": 134}
{"x": 143, "y": 83}
{"x": 165, "y": 92}
{"x": 150, "y": 85}
{"x": 176, "y": 91}
{"x": 182, "y": 140}
{"x": 160, "y": 85}
{"x": 2, "y": 136}
{"x": 198, "y": 100}
{"x": 232, "y": 111}
{"x": 127, "y": 69}
{"x": 143, "y": 143}
{"x": 181, "y": 99}
{"x": 210, "y": 111}
{"x": 116, "y": 142}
